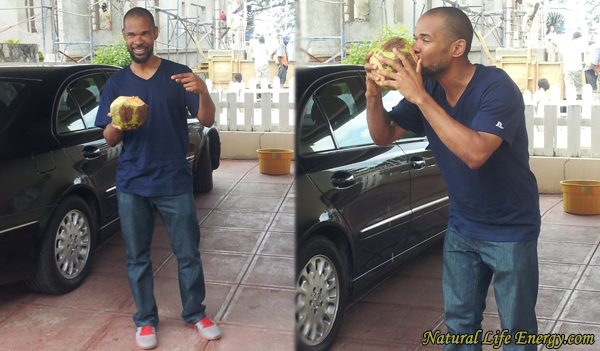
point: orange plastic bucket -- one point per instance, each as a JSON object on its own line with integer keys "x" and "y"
{"x": 581, "y": 196}
{"x": 274, "y": 161}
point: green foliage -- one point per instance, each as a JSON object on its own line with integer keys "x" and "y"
{"x": 10, "y": 41}
{"x": 41, "y": 56}
{"x": 357, "y": 51}
{"x": 115, "y": 54}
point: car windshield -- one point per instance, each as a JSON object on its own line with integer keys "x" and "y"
{"x": 12, "y": 93}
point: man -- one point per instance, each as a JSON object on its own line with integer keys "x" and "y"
{"x": 261, "y": 61}
{"x": 591, "y": 69}
{"x": 573, "y": 62}
{"x": 154, "y": 174}
{"x": 474, "y": 119}
{"x": 105, "y": 19}
{"x": 282, "y": 60}
{"x": 540, "y": 97}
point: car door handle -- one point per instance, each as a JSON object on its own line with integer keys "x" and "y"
{"x": 342, "y": 179}
{"x": 91, "y": 152}
{"x": 417, "y": 162}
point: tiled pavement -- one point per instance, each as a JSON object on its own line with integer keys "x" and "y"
{"x": 395, "y": 314}
{"x": 247, "y": 248}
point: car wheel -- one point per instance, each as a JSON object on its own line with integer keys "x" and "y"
{"x": 203, "y": 181}
{"x": 320, "y": 295}
{"x": 67, "y": 249}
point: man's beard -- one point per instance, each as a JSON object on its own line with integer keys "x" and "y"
{"x": 436, "y": 68}
{"x": 142, "y": 59}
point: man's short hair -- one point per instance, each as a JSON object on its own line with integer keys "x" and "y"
{"x": 456, "y": 23}
{"x": 238, "y": 77}
{"x": 139, "y": 12}
{"x": 261, "y": 40}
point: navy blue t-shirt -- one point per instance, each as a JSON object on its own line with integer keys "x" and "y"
{"x": 153, "y": 160}
{"x": 500, "y": 200}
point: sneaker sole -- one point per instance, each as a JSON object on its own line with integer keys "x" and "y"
{"x": 193, "y": 326}
{"x": 146, "y": 348}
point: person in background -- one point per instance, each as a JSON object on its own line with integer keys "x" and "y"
{"x": 573, "y": 53}
{"x": 261, "y": 61}
{"x": 540, "y": 97}
{"x": 591, "y": 68}
{"x": 105, "y": 18}
{"x": 474, "y": 119}
{"x": 282, "y": 60}
{"x": 154, "y": 174}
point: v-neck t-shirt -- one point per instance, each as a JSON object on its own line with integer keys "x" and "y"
{"x": 153, "y": 158}
{"x": 500, "y": 200}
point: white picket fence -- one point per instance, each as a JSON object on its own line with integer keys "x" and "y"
{"x": 240, "y": 109}
{"x": 564, "y": 128}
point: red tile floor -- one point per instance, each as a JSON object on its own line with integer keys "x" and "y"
{"x": 247, "y": 247}
{"x": 395, "y": 314}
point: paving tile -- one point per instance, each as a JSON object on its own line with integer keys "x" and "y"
{"x": 250, "y": 202}
{"x": 260, "y": 188}
{"x": 112, "y": 259}
{"x": 579, "y": 308}
{"x": 208, "y": 200}
{"x": 98, "y": 293}
{"x": 233, "y": 170}
{"x": 388, "y": 323}
{"x": 279, "y": 244}
{"x": 271, "y": 271}
{"x": 569, "y": 233}
{"x": 557, "y": 215}
{"x": 350, "y": 344}
{"x": 407, "y": 290}
{"x": 35, "y": 328}
{"x": 547, "y": 202}
{"x": 168, "y": 299}
{"x": 252, "y": 339}
{"x": 223, "y": 186}
{"x": 590, "y": 279}
{"x": 7, "y": 310}
{"x": 559, "y": 275}
{"x": 426, "y": 265}
{"x": 289, "y": 205}
{"x": 239, "y": 219}
{"x": 550, "y": 302}
{"x": 266, "y": 307}
{"x": 256, "y": 176}
{"x": 230, "y": 240}
{"x": 569, "y": 329}
{"x": 595, "y": 261}
{"x": 217, "y": 267}
{"x": 284, "y": 222}
{"x": 565, "y": 252}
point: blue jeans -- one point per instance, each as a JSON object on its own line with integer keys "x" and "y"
{"x": 469, "y": 266}
{"x": 282, "y": 73}
{"x": 138, "y": 214}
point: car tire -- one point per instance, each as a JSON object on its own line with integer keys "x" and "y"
{"x": 203, "y": 181}
{"x": 67, "y": 249}
{"x": 320, "y": 295}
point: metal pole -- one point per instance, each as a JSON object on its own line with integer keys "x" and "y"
{"x": 508, "y": 28}
{"x": 217, "y": 25}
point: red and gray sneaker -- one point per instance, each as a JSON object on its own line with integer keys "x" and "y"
{"x": 207, "y": 329}
{"x": 145, "y": 337}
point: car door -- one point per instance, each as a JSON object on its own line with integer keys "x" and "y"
{"x": 84, "y": 142}
{"x": 352, "y": 172}
{"x": 428, "y": 192}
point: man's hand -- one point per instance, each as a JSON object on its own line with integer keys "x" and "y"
{"x": 373, "y": 89}
{"x": 191, "y": 82}
{"x": 407, "y": 79}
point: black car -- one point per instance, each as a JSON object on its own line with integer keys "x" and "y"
{"x": 362, "y": 209}
{"x": 57, "y": 174}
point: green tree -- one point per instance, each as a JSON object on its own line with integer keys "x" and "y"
{"x": 114, "y": 54}
{"x": 356, "y": 52}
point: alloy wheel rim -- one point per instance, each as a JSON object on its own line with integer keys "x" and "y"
{"x": 72, "y": 244}
{"x": 317, "y": 300}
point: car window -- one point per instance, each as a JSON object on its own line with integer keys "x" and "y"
{"x": 345, "y": 105}
{"x": 390, "y": 99}
{"x": 11, "y": 93}
{"x": 79, "y": 103}
{"x": 314, "y": 130}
